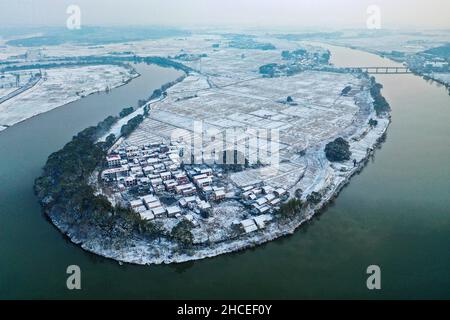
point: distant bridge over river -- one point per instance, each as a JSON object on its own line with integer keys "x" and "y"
{"x": 381, "y": 70}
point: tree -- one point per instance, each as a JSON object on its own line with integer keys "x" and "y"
{"x": 152, "y": 229}
{"x": 338, "y": 150}
{"x": 346, "y": 90}
{"x": 109, "y": 142}
{"x": 268, "y": 69}
{"x": 182, "y": 233}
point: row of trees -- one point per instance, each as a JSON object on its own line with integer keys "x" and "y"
{"x": 131, "y": 125}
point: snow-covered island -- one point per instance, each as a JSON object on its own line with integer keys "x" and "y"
{"x": 181, "y": 179}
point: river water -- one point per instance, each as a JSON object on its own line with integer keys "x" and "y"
{"x": 395, "y": 214}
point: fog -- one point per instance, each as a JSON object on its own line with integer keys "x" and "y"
{"x": 419, "y": 14}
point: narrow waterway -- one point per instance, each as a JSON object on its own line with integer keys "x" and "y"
{"x": 395, "y": 214}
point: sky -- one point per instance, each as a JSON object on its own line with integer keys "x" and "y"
{"x": 334, "y": 14}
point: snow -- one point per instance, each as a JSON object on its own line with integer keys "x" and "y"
{"x": 441, "y": 77}
{"x": 60, "y": 86}
{"x": 227, "y": 92}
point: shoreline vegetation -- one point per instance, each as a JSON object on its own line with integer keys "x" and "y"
{"x": 64, "y": 190}
{"x": 67, "y": 196}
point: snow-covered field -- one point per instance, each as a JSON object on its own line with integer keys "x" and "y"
{"x": 59, "y": 86}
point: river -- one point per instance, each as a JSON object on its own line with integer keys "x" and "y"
{"x": 395, "y": 214}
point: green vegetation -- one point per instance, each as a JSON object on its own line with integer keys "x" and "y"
{"x": 132, "y": 124}
{"x": 66, "y": 195}
{"x": 296, "y": 54}
{"x": 379, "y": 102}
{"x": 442, "y": 51}
{"x": 110, "y": 139}
{"x": 64, "y": 182}
{"x": 100, "y": 60}
{"x": 93, "y": 35}
{"x": 298, "y": 193}
{"x": 346, "y": 90}
{"x": 338, "y": 150}
{"x": 233, "y": 161}
{"x": 247, "y": 42}
{"x": 152, "y": 229}
{"x": 268, "y": 69}
{"x": 373, "y": 123}
{"x": 314, "y": 198}
{"x": 309, "y": 36}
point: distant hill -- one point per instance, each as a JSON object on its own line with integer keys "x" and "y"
{"x": 95, "y": 35}
{"x": 442, "y": 51}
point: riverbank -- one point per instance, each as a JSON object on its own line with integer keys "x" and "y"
{"x": 143, "y": 252}
{"x": 439, "y": 78}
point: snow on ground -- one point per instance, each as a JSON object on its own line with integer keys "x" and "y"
{"x": 6, "y": 91}
{"x": 60, "y": 86}
{"x": 440, "y": 76}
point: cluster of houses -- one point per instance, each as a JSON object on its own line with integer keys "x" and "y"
{"x": 156, "y": 169}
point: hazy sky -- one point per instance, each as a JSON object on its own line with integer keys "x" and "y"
{"x": 293, "y": 13}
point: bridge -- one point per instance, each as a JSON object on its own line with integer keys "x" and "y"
{"x": 381, "y": 70}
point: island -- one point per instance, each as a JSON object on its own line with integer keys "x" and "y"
{"x": 258, "y": 136}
